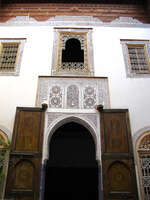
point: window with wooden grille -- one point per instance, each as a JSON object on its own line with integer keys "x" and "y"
{"x": 8, "y": 56}
{"x": 137, "y": 57}
{"x": 11, "y": 51}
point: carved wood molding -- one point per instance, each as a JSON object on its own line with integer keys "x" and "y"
{"x": 103, "y": 12}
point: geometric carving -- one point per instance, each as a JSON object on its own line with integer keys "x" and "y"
{"x": 145, "y": 162}
{"x": 24, "y": 174}
{"x": 89, "y": 97}
{"x": 119, "y": 177}
{"x": 145, "y": 173}
{"x": 90, "y": 117}
{"x": 146, "y": 181}
{"x": 55, "y": 98}
{"x": 72, "y": 96}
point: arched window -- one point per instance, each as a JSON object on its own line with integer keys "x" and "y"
{"x": 143, "y": 154}
{"x": 73, "y": 51}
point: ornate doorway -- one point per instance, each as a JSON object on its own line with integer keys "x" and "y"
{"x": 72, "y": 169}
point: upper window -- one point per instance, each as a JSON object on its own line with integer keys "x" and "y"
{"x": 72, "y": 53}
{"x": 10, "y": 56}
{"x": 136, "y": 55}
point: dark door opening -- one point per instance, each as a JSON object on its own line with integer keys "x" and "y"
{"x": 71, "y": 171}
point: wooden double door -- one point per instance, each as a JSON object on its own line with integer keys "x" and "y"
{"x": 25, "y": 165}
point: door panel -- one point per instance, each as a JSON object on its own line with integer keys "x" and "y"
{"x": 26, "y": 155}
{"x": 118, "y": 170}
{"x": 116, "y": 138}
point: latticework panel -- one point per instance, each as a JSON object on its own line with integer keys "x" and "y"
{"x": 145, "y": 143}
{"x": 145, "y": 168}
{"x": 8, "y": 56}
{"x": 144, "y": 165}
{"x": 138, "y": 59}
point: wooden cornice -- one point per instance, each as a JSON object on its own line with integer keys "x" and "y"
{"x": 105, "y": 13}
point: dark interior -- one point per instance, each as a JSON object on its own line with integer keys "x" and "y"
{"x": 73, "y": 51}
{"x": 71, "y": 171}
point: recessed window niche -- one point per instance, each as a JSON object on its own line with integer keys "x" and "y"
{"x": 72, "y": 52}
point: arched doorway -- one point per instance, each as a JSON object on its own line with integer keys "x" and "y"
{"x": 72, "y": 170}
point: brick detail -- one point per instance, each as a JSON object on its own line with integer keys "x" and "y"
{"x": 105, "y": 13}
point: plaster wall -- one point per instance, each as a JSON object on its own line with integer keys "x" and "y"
{"x": 131, "y": 93}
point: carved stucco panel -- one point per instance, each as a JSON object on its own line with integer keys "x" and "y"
{"x": 73, "y": 97}
{"x": 74, "y": 93}
{"x": 91, "y": 117}
{"x": 55, "y": 97}
{"x": 42, "y": 91}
